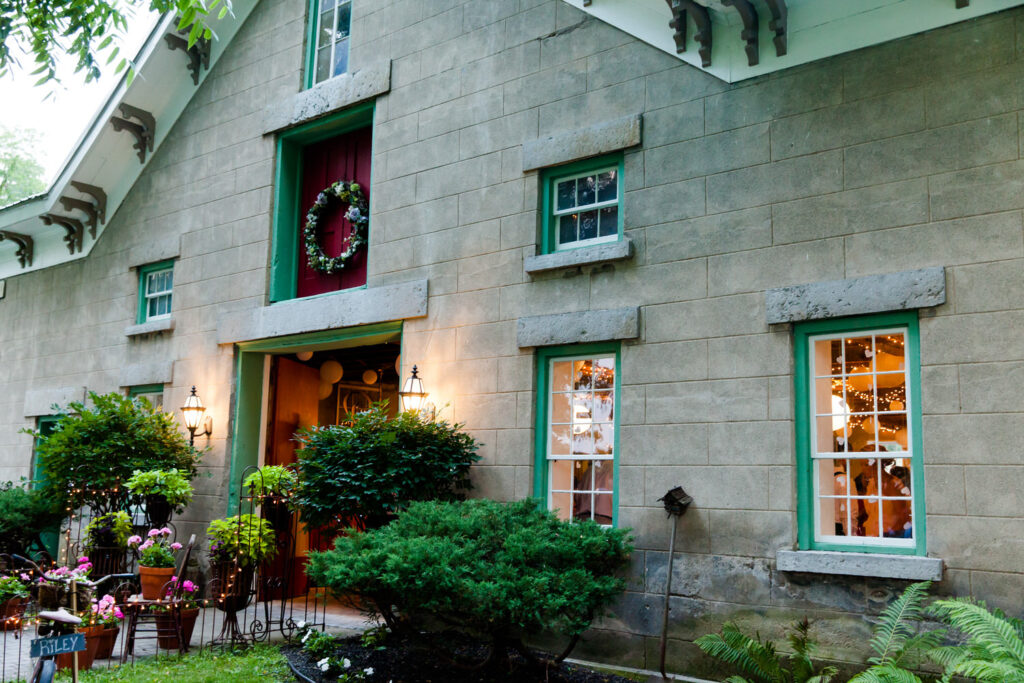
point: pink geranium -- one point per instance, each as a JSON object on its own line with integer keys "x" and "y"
{"x": 176, "y": 546}
{"x": 134, "y": 540}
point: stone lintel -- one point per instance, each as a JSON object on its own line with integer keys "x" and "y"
{"x": 153, "y": 251}
{"x": 600, "y": 138}
{"x": 878, "y": 565}
{"x": 328, "y": 97}
{"x": 41, "y": 401}
{"x": 325, "y": 312}
{"x": 151, "y": 327}
{"x": 579, "y": 327}
{"x": 137, "y": 374}
{"x": 584, "y": 256}
{"x": 901, "y": 291}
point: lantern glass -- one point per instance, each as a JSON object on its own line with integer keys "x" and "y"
{"x": 412, "y": 395}
{"x": 192, "y": 411}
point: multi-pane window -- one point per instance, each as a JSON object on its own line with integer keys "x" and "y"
{"x": 586, "y": 208}
{"x": 330, "y": 53}
{"x": 155, "y": 284}
{"x": 862, "y": 407}
{"x": 580, "y": 436}
{"x": 154, "y": 393}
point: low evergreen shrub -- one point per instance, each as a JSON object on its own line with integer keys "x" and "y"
{"x": 365, "y": 472}
{"x": 498, "y": 570}
{"x": 24, "y": 516}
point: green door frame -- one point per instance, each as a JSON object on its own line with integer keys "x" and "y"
{"x": 248, "y": 408}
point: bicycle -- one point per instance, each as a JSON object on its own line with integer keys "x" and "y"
{"x": 52, "y": 626}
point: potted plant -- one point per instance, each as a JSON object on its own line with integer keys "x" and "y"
{"x": 108, "y": 615}
{"x": 238, "y": 545}
{"x": 105, "y": 538}
{"x": 54, "y": 586}
{"x": 93, "y": 633}
{"x": 271, "y": 482}
{"x": 14, "y": 595}
{"x": 187, "y": 605}
{"x": 156, "y": 560}
{"x": 164, "y": 491}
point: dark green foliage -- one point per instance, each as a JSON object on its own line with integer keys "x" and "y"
{"x": 994, "y": 651}
{"x": 99, "y": 446}
{"x": 898, "y": 639}
{"x": 374, "y": 468}
{"x": 24, "y": 515}
{"x": 496, "y": 569}
{"x": 319, "y": 645}
{"x": 761, "y": 662}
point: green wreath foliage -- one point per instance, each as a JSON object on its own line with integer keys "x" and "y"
{"x": 358, "y": 214}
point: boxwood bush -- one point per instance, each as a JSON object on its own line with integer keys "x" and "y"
{"x": 24, "y": 516}
{"x": 364, "y": 472}
{"x": 501, "y": 570}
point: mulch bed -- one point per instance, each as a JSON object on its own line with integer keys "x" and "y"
{"x": 400, "y": 661}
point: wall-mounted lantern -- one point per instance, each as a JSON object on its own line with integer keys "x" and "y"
{"x": 413, "y": 396}
{"x": 192, "y": 412}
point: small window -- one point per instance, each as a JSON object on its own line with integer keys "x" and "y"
{"x": 155, "y": 284}
{"x": 154, "y": 393}
{"x": 859, "y": 434}
{"x": 332, "y": 22}
{"x": 583, "y": 204}
{"x": 580, "y": 397}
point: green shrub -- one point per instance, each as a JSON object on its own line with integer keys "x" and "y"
{"x": 374, "y": 468}
{"x": 108, "y": 531}
{"x": 172, "y": 485}
{"x": 24, "y": 516}
{"x": 500, "y": 569}
{"x": 272, "y": 480}
{"x": 99, "y": 446}
{"x": 247, "y": 537}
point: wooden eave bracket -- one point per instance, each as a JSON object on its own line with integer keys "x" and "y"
{"x": 144, "y": 131}
{"x": 25, "y": 246}
{"x": 779, "y": 24}
{"x": 95, "y": 210}
{"x": 681, "y": 9}
{"x": 198, "y": 55}
{"x": 74, "y": 230}
{"x": 960, "y": 4}
{"x": 748, "y": 15}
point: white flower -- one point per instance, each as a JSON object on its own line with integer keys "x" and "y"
{"x": 301, "y": 625}
{"x": 324, "y": 664}
{"x": 306, "y": 637}
{"x": 346, "y": 663}
{"x": 368, "y": 671}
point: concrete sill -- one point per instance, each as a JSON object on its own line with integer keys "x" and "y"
{"x": 877, "y": 565}
{"x": 152, "y": 327}
{"x": 596, "y": 255}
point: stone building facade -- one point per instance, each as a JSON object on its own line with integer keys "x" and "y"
{"x": 870, "y": 194}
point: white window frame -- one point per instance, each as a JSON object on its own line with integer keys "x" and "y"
{"x": 551, "y": 459}
{"x": 334, "y": 42}
{"x": 152, "y": 296}
{"x": 557, "y": 213}
{"x": 813, "y": 416}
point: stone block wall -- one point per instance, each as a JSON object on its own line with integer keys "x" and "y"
{"x": 897, "y": 157}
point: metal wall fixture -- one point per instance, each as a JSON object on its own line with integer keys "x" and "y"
{"x": 413, "y": 396}
{"x": 677, "y": 502}
{"x": 192, "y": 413}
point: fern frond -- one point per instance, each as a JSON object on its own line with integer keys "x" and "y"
{"x": 896, "y": 625}
{"x": 886, "y": 673}
{"x": 986, "y": 630}
{"x": 737, "y": 679}
{"x": 825, "y": 676}
{"x": 733, "y": 647}
{"x": 991, "y": 672}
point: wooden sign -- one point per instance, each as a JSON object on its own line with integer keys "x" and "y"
{"x": 57, "y": 645}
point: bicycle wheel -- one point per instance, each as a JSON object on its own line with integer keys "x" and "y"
{"x": 46, "y": 673}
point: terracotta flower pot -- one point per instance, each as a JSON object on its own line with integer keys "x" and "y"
{"x": 153, "y": 580}
{"x": 11, "y": 612}
{"x": 86, "y": 656}
{"x": 166, "y": 638}
{"x": 108, "y": 636}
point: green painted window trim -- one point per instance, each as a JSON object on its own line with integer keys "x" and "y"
{"x": 802, "y": 394}
{"x": 285, "y": 251}
{"x": 140, "y": 389}
{"x": 45, "y": 425}
{"x": 311, "y": 19}
{"x": 540, "y": 468}
{"x": 144, "y": 271}
{"x": 248, "y": 399}
{"x": 549, "y": 176}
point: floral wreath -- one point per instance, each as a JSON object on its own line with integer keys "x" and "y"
{"x": 341, "y": 192}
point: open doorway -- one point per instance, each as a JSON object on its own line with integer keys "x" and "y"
{"x": 308, "y": 388}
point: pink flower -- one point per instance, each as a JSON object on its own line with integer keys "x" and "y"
{"x": 118, "y": 613}
{"x": 175, "y": 546}
{"x": 83, "y": 560}
{"x": 188, "y": 586}
{"x": 25, "y": 577}
{"x": 147, "y": 544}
{"x": 165, "y": 531}
{"x": 153, "y": 532}
{"x": 135, "y": 540}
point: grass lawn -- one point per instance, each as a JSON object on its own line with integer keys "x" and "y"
{"x": 263, "y": 663}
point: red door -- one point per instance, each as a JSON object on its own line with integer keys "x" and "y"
{"x": 346, "y": 157}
